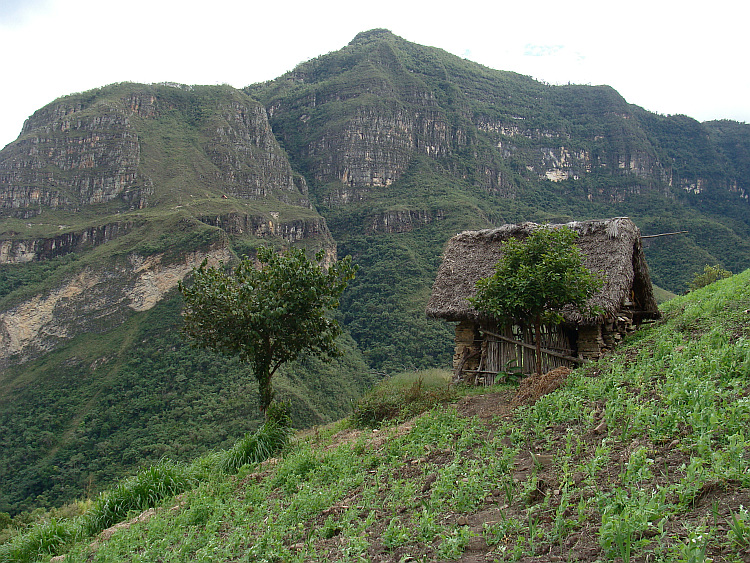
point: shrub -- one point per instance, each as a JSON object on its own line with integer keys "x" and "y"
{"x": 710, "y": 275}
{"x": 139, "y": 493}
{"x": 402, "y": 397}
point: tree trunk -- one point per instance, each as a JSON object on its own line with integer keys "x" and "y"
{"x": 264, "y": 380}
{"x": 265, "y": 390}
{"x": 538, "y": 336}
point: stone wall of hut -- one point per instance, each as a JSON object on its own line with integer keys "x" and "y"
{"x": 468, "y": 347}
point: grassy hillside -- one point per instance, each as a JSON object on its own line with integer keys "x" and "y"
{"x": 641, "y": 456}
{"x": 402, "y": 146}
{"x": 88, "y": 414}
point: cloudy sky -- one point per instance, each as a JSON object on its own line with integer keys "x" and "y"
{"x": 662, "y": 55}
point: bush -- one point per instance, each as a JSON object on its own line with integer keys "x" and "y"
{"x": 402, "y": 397}
{"x": 710, "y": 275}
{"x": 139, "y": 493}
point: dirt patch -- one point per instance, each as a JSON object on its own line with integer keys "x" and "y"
{"x": 487, "y": 406}
{"x": 502, "y": 403}
{"x": 534, "y": 387}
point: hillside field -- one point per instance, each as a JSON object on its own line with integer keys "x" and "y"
{"x": 642, "y": 456}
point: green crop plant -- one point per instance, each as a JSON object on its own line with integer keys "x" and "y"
{"x": 453, "y": 543}
{"x": 693, "y": 549}
{"x": 626, "y": 515}
{"x": 395, "y": 534}
{"x": 739, "y": 527}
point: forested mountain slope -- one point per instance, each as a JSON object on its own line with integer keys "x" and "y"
{"x": 382, "y": 150}
{"x": 404, "y": 145}
{"x": 108, "y": 199}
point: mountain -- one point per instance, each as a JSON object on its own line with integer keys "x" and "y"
{"x": 382, "y": 150}
{"x": 404, "y": 145}
{"x": 163, "y": 177}
{"x": 107, "y": 200}
{"x": 640, "y": 456}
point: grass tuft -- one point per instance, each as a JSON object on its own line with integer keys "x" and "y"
{"x": 143, "y": 491}
{"x": 46, "y": 538}
{"x": 265, "y": 442}
{"x": 403, "y": 396}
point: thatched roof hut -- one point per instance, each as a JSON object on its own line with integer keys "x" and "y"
{"x": 610, "y": 247}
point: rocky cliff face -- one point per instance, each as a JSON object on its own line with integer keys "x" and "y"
{"x": 374, "y": 146}
{"x": 93, "y": 300}
{"x": 111, "y": 146}
{"x": 249, "y": 162}
{"x": 402, "y": 221}
{"x": 291, "y": 231}
{"x": 68, "y": 157}
{"x": 557, "y": 155}
{"x": 157, "y": 161}
{"x": 18, "y": 251}
{"x": 356, "y": 120}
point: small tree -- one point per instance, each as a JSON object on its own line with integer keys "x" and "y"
{"x": 268, "y": 315}
{"x": 535, "y": 279}
{"x": 709, "y": 275}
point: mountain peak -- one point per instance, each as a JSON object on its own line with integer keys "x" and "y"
{"x": 372, "y": 35}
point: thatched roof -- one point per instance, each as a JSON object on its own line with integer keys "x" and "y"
{"x": 611, "y": 248}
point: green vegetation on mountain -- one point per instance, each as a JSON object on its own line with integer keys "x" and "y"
{"x": 382, "y": 150}
{"x": 404, "y": 145}
{"x": 108, "y": 384}
{"x": 82, "y": 417}
{"x": 641, "y": 455}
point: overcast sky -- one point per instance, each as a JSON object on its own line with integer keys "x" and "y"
{"x": 666, "y": 56}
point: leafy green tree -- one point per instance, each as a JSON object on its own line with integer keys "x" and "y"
{"x": 709, "y": 275}
{"x": 267, "y": 315}
{"x": 535, "y": 279}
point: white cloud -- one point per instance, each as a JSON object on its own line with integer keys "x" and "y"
{"x": 541, "y": 50}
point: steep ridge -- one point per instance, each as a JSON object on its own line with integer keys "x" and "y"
{"x": 125, "y": 162}
{"x": 359, "y": 122}
{"x": 135, "y": 144}
{"x": 355, "y": 120}
{"x": 108, "y": 198}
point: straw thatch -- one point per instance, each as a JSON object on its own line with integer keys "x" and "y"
{"x": 612, "y": 248}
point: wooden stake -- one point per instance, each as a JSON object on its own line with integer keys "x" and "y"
{"x": 664, "y": 234}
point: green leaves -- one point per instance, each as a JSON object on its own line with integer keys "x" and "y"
{"x": 267, "y": 315}
{"x": 538, "y": 276}
{"x": 535, "y": 279}
{"x": 709, "y": 275}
